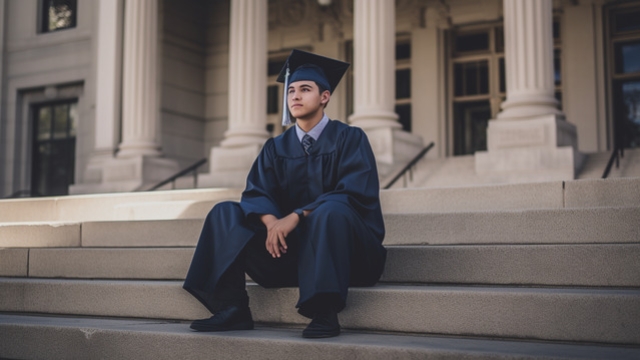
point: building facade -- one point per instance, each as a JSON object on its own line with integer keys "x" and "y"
{"x": 115, "y": 95}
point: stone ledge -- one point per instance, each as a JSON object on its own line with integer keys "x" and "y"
{"x": 120, "y": 206}
{"x": 537, "y": 265}
{"x": 14, "y": 262}
{"x": 115, "y": 263}
{"x": 602, "y": 192}
{"x": 40, "y": 337}
{"x": 560, "y": 226}
{"x": 568, "y": 265}
{"x": 183, "y": 232}
{"x": 48, "y": 234}
{"x": 545, "y": 195}
{"x": 588, "y": 315}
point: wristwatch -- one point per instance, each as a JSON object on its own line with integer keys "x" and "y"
{"x": 300, "y": 213}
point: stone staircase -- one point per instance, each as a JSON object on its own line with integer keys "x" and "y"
{"x": 460, "y": 171}
{"x": 546, "y": 270}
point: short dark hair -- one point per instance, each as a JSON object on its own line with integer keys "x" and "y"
{"x": 321, "y": 88}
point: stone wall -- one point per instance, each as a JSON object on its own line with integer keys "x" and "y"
{"x": 43, "y": 67}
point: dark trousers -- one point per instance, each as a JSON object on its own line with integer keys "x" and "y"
{"x": 324, "y": 252}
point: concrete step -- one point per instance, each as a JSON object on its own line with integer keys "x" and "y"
{"x": 558, "y": 226}
{"x": 40, "y": 337}
{"x": 180, "y": 232}
{"x": 547, "y": 195}
{"x": 585, "y": 315}
{"x": 602, "y": 192}
{"x": 551, "y": 226}
{"x": 190, "y": 204}
{"x": 178, "y": 204}
{"x": 595, "y": 163}
{"x": 604, "y": 265}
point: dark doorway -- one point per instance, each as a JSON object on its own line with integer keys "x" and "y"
{"x": 54, "y": 148}
{"x": 470, "y": 126}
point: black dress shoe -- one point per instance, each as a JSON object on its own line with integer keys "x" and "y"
{"x": 324, "y": 324}
{"x": 229, "y": 318}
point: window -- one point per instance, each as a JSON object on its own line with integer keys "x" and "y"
{"x": 478, "y": 85}
{"x": 57, "y": 15}
{"x": 273, "y": 99}
{"x": 471, "y": 43}
{"x": 472, "y": 78}
{"x": 403, "y": 83}
{"x": 624, "y": 49}
{"x": 274, "y": 94}
{"x": 478, "y": 82}
{"x": 54, "y": 143}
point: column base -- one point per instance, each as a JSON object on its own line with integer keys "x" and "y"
{"x": 127, "y": 174}
{"x": 530, "y": 150}
{"x": 93, "y": 172}
{"x": 229, "y": 166}
{"x": 393, "y": 148}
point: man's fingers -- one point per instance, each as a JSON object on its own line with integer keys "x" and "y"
{"x": 283, "y": 244}
{"x": 273, "y": 241}
{"x": 269, "y": 244}
{"x": 276, "y": 243}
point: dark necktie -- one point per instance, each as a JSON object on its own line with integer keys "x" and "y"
{"x": 307, "y": 143}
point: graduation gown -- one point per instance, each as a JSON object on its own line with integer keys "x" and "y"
{"x": 338, "y": 245}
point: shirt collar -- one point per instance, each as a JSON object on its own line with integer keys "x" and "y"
{"x": 316, "y": 131}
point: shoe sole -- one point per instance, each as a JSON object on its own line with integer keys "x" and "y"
{"x": 212, "y": 328}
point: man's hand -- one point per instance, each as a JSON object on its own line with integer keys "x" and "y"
{"x": 277, "y": 232}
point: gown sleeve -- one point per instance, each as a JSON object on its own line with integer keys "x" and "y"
{"x": 259, "y": 196}
{"x": 357, "y": 176}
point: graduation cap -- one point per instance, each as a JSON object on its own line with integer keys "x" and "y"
{"x": 302, "y": 65}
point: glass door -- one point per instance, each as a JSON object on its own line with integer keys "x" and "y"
{"x": 54, "y": 144}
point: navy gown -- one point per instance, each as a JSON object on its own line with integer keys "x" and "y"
{"x": 339, "y": 244}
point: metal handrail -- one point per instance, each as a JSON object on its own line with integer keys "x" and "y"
{"x": 410, "y": 165}
{"x": 618, "y": 152}
{"x": 172, "y": 179}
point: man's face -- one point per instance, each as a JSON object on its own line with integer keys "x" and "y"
{"x": 305, "y": 100}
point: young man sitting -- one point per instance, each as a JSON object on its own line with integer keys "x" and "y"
{"x": 309, "y": 216}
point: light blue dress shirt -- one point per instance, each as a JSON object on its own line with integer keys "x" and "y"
{"x": 316, "y": 131}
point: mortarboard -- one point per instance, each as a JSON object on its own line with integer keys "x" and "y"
{"x": 302, "y": 65}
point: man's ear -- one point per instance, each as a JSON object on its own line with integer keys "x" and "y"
{"x": 325, "y": 97}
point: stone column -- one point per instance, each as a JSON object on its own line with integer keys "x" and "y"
{"x": 109, "y": 75}
{"x": 231, "y": 161}
{"x": 374, "y": 84}
{"x": 107, "y": 94}
{"x": 247, "y": 73}
{"x": 138, "y": 163}
{"x": 374, "y": 29}
{"x": 140, "y": 90}
{"x": 530, "y": 139}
